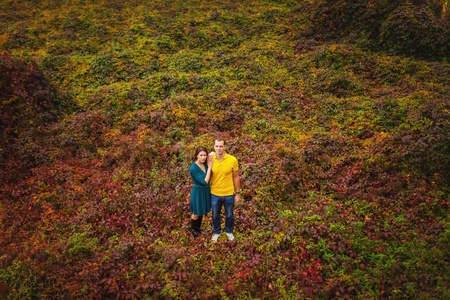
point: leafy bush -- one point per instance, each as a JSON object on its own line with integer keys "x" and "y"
{"x": 416, "y": 31}
{"x": 417, "y": 28}
{"x": 26, "y": 97}
{"x": 28, "y": 104}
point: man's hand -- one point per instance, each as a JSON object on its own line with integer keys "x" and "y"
{"x": 237, "y": 198}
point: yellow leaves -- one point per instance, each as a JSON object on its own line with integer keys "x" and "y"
{"x": 205, "y": 140}
{"x": 137, "y": 27}
{"x": 145, "y": 43}
{"x": 112, "y": 135}
{"x": 381, "y": 136}
{"x": 3, "y": 39}
{"x": 279, "y": 237}
{"x": 183, "y": 115}
{"x": 77, "y": 188}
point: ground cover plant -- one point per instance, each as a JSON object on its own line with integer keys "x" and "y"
{"x": 343, "y": 152}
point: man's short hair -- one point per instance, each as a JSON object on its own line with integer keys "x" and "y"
{"x": 219, "y": 139}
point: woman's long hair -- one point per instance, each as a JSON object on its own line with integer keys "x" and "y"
{"x": 197, "y": 152}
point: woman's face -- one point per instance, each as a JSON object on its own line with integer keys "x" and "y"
{"x": 201, "y": 157}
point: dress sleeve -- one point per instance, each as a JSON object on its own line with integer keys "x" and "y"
{"x": 198, "y": 175}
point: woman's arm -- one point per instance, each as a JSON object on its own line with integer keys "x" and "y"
{"x": 210, "y": 164}
{"x": 198, "y": 175}
{"x": 208, "y": 175}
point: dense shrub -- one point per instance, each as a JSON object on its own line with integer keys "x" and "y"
{"x": 28, "y": 105}
{"x": 27, "y": 98}
{"x": 423, "y": 143}
{"x": 413, "y": 28}
{"x": 416, "y": 31}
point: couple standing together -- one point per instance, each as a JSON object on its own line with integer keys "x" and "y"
{"x": 216, "y": 183}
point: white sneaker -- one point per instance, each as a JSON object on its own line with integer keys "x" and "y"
{"x": 215, "y": 237}
{"x": 230, "y": 236}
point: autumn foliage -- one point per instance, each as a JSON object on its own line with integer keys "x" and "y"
{"x": 343, "y": 153}
{"x": 419, "y": 28}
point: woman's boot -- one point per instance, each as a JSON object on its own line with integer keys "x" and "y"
{"x": 200, "y": 230}
{"x": 194, "y": 230}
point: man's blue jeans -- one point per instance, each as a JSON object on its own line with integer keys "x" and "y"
{"x": 216, "y": 204}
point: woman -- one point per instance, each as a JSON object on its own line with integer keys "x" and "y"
{"x": 201, "y": 193}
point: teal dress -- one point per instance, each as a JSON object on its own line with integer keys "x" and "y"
{"x": 201, "y": 192}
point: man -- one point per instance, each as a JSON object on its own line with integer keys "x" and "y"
{"x": 225, "y": 189}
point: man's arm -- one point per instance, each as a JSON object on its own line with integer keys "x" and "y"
{"x": 237, "y": 186}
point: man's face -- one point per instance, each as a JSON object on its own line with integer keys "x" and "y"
{"x": 219, "y": 147}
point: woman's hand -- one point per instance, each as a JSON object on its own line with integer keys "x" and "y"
{"x": 210, "y": 160}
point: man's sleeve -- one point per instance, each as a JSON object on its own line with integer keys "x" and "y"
{"x": 235, "y": 165}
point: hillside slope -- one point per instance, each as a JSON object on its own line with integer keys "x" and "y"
{"x": 343, "y": 155}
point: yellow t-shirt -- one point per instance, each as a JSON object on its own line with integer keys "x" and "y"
{"x": 222, "y": 175}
